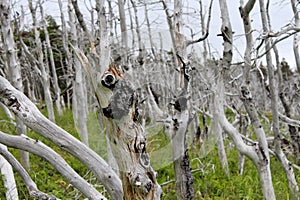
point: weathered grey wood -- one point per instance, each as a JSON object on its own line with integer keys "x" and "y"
{"x": 292, "y": 182}
{"x": 14, "y": 67}
{"x": 127, "y": 137}
{"x": 7, "y": 175}
{"x": 56, "y": 87}
{"x": 79, "y": 102}
{"x": 20, "y": 105}
{"x": 43, "y": 69}
{"x": 296, "y": 36}
{"x": 34, "y": 192}
{"x": 40, "y": 149}
{"x": 118, "y": 101}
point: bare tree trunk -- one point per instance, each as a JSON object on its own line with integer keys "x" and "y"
{"x": 67, "y": 52}
{"x": 19, "y": 104}
{"x": 205, "y": 52}
{"x": 43, "y": 68}
{"x": 52, "y": 63}
{"x": 183, "y": 175}
{"x": 8, "y": 177}
{"x": 104, "y": 36}
{"x": 216, "y": 128}
{"x": 296, "y": 36}
{"x": 285, "y": 163}
{"x": 152, "y": 46}
{"x": 13, "y": 66}
{"x": 263, "y": 165}
{"x": 124, "y": 35}
{"x": 226, "y": 26}
{"x": 244, "y": 12}
{"x": 80, "y": 101}
{"x": 118, "y": 102}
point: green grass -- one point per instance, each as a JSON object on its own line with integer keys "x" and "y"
{"x": 210, "y": 181}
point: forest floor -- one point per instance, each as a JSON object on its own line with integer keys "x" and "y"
{"x": 210, "y": 180}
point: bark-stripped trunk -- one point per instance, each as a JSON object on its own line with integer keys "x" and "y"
{"x": 43, "y": 68}
{"x": 118, "y": 102}
{"x": 124, "y": 35}
{"x": 52, "y": 63}
{"x": 296, "y": 36}
{"x": 8, "y": 177}
{"x": 103, "y": 48}
{"x": 227, "y": 56}
{"x": 181, "y": 117}
{"x": 80, "y": 96}
{"x": 262, "y": 150}
{"x": 244, "y": 12}
{"x": 66, "y": 50}
{"x": 183, "y": 175}
{"x": 13, "y": 67}
{"x": 285, "y": 163}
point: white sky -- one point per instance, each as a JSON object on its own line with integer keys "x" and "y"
{"x": 281, "y": 15}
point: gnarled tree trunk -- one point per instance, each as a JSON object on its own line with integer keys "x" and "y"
{"x": 118, "y": 101}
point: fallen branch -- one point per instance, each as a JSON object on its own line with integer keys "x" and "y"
{"x": 22, "y": 107}
{"x": 34, "y": 192}
{"x": 38, "y": 148}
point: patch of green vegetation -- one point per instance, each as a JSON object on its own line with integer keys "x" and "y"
{"x": 210, "y": 181}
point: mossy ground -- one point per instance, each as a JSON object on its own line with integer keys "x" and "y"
{"x": 210, "y": 181}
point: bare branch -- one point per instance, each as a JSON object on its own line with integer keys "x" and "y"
{"x": 288, "y": 120}
{"x": 40, "y": 149}
{"x": 34, "y": 192}
{"x": 205, "y": 35}
{"x": 20, "y": 105}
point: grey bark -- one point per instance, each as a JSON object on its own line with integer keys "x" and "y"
{"x": 118, "y": 102}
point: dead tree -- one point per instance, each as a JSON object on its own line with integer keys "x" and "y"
{"x": 118, "y": 102}
{"x": 23, "y": 108}
{"x": 13, "y": 66}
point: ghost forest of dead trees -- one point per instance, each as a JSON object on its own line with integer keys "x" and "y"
{"x": 144, "y": 64}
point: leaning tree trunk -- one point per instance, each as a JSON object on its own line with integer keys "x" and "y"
{"x": 118, "y": 102}
{"x": 14, "y": 67}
